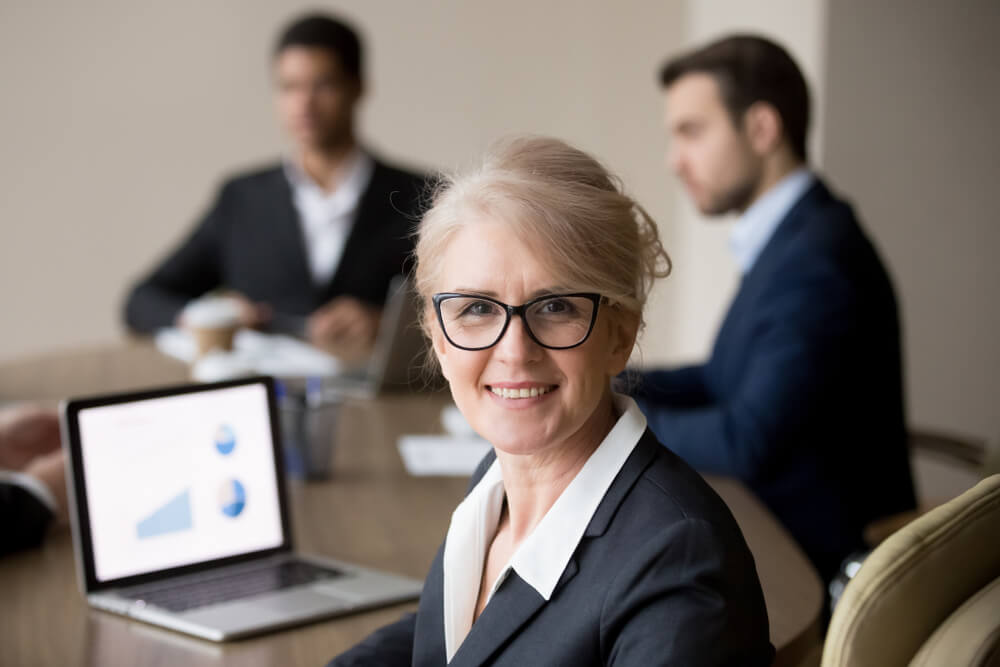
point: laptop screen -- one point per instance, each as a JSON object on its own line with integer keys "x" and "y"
{"x": 179, "y": 479}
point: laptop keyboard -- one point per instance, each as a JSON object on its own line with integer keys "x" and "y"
{"x": 212, "y": 589}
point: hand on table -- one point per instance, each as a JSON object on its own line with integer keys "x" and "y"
{"x": 30, "y": 443}
{"x": 253, "y": 314}
{"x": 50, "y": 469}
{"x": 345, "y": 326}
{"x": 27, "y": 431}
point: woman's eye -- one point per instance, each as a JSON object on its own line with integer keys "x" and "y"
{"x": 557, "y": 307}
{"x": 479, "y": 309}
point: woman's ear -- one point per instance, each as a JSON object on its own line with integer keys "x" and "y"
{"x": 624, "y": 327}
{"x": 439, "y": 348}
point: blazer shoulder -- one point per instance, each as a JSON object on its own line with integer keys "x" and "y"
{"x": 409, "y": 190}
{"x": 830, "y": 219}
{"x": 394, "y": 173}
{"x": 254, "y": 177}
{"x": 669, "y": 490}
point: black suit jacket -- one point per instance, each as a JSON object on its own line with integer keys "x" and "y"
{"x": 251, "y": 241}
{"x": 662, "y": 576}
{"x": 802, "y": 398}
{"x": 23, "y": 518}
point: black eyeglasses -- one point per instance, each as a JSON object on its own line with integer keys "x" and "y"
{"x": 556, "y": 321}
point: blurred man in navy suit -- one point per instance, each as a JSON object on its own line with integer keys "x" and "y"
{"x": 802, "y": 397}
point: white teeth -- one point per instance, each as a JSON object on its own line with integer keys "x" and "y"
{"x": 524, "y": 392}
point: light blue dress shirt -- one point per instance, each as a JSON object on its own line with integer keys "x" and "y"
{"x": 757, "y": 224}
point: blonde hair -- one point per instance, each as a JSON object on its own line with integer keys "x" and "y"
{"x": 560, "y": 201}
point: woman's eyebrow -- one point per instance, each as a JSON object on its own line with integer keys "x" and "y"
{"x": 478, "y": 292}
{"x": 545, "y": 291}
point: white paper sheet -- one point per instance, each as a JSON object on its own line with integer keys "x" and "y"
{"x": 442, "y": 454}
{"x": 268, "y": 354}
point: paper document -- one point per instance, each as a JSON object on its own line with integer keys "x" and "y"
{"x": 442, "y": 454}
{"x": 267, "y": 354}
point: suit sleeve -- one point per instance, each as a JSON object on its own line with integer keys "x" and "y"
{"x": 801, "y": 344}
{"x": 689, "y": 596}
{"x": 391, "y": 646}
{"x": 680, "y": 387}
{"x": 23, "y": 519}
{"x": 192, "y": 269}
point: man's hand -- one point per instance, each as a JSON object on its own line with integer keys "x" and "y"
{"x": 51, "y": 470}
{"x": 345, "y": 326}
{"x": 253, "y": 314}
{"x": 26, "y": 431}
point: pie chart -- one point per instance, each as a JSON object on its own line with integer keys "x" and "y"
{"x": 225, "y": 439}
{"x": 232, "y": 498}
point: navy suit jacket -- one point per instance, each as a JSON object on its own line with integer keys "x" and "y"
{"x": 251, "y": 241}
{"x": 802, "y": 397}
{"x": 662, "y": 576}
{"x": 23, "y": 518}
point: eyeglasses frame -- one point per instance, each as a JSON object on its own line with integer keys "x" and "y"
{"x": 511, "y": 311}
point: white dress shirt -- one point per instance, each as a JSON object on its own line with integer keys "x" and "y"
{"x": 327, "y": 218}
{"x": 542, "y": 557}
{"x": 757, "y": 224}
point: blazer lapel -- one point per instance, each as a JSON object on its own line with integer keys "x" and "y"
{"x": 516, "y": 602}
{"x": 286, "y": 232}
{"x": 513, "y": 605}
{"x": 759, "y": 276}
{"x": 369, "y": 217}
{"x": 635, "y": 464}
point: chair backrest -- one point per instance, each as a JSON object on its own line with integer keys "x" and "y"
{"x": 933, "y": 577}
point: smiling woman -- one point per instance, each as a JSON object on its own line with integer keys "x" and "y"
{"x": 582, "y": 540}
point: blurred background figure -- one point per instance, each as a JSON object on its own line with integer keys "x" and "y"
{"x": 802, "y": 397}
{"x": 32, "y": 475}
{"x": 309, "y": 245}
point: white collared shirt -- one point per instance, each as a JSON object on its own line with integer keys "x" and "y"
{"x": 757, "y": 224}
{"x": 543, "y": 556}
{"x": 327, "y": 218}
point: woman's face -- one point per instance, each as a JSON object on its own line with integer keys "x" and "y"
{"x": 573, "y": 405}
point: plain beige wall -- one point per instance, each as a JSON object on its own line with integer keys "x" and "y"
{"x": 913, "y": 106}
{"x": 120, "y": 119}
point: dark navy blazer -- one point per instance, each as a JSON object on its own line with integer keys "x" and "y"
{"x": 802, "y": 397}
{"x": 251, "y": 241}
{"x": 662, "y": 576}
{"x": 23, "y": 518}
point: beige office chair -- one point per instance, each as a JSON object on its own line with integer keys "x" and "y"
{"x": 929, "y": 594}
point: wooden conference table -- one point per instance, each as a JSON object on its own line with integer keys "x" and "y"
{"x": 370, "y": 512}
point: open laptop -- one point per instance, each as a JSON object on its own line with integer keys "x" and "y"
{"x": 179, "y": 515}
{"x": 397, "y": 355}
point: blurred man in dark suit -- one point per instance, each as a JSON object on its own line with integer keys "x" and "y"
{"x": 802, "y": 397}
{"x": 308, "y": 245}
{"x": 32, "y": 476}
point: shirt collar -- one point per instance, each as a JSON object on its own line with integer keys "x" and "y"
{"x": 757, "y": 224}
{"x": 542, "y": 556}
{"x": 358, "y": 168}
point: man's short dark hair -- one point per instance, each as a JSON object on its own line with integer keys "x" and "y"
{"x": 751, "y": 69}
{"x": 325, "y": 32}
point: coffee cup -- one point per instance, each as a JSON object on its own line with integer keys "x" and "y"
{"x": 213, "y": 321}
